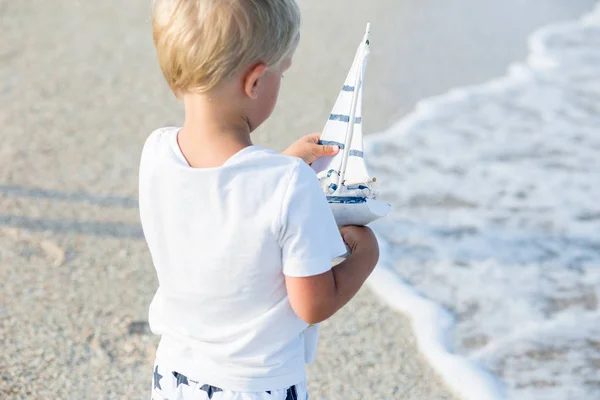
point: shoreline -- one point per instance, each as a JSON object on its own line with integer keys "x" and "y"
{"x": 433, "y": 322}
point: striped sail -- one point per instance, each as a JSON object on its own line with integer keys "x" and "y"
{"x": 336, "y": 128}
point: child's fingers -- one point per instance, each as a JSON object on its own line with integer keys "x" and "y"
{"x": 329, "y": 150}
{"x": 319, "y": 151}
{"x": 314, "y": 137}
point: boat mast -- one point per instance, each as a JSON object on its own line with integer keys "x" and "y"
{"x": 351, "y": 122}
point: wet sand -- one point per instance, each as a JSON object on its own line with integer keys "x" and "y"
{"x": 79, "y": 92}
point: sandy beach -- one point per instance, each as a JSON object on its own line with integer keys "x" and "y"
{"x": 80, "y": 91}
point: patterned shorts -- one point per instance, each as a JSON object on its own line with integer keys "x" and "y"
{"x": 171, "y": 385}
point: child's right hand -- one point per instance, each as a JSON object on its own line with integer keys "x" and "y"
{"x": 316, "y": 298}
{"x": 362, "y": 242}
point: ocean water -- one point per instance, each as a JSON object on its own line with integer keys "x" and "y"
{"x": 495, "y": 192}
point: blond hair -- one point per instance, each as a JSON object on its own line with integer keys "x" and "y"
{"x": 201, "y": 43}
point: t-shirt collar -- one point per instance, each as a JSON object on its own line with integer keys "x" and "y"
{"x": 180, "y": 157}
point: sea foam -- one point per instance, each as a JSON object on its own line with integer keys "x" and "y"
{"x": 496, "y": 218}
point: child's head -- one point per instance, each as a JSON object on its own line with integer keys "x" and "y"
{"x": 205, "y": 46}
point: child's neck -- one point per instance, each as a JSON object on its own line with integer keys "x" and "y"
{"x": 212, "y": 132}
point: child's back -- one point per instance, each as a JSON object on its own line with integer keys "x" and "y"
{"x": 242, "y": 238}
{"x": 220, "y": 239}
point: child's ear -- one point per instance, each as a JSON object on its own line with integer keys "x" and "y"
{"x": 253, "y": 80}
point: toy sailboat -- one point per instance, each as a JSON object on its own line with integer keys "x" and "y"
{"x": 344, "y": 177}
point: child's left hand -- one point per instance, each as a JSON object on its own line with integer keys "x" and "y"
{"x": 308, "y": 149}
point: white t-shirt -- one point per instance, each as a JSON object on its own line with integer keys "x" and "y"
{"x": 221, "y": 240}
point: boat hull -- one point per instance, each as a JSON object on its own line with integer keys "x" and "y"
{"x": 357, "y": 210}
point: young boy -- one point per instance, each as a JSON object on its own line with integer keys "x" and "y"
{"x": 241, "y": 237}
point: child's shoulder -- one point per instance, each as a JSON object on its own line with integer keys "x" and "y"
{"x": 159, "y": 135}
{"x": 155, "y": 145}
{"x": 155, "y": 140}
{"x": 294, "y": 168}
{"x": 254, "y": 159}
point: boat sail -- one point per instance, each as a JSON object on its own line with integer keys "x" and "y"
{"x": 344, "y": 177}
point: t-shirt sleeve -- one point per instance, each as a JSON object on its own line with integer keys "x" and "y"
{"x": 310, "y": 238}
